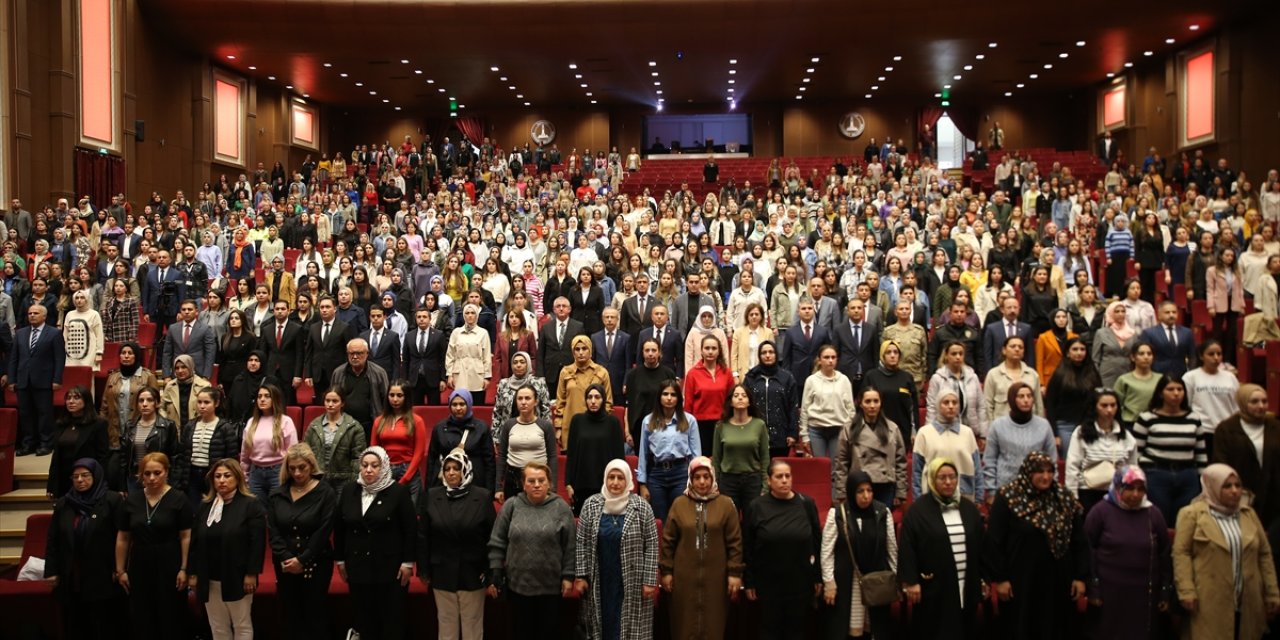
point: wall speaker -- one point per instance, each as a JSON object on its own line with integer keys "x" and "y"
{"x": 140, "y": 130}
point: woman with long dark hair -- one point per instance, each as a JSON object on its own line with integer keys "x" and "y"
{"x": 1098, "y": 447}
{"x": 237, "y": 343}
{"x": 740, "y": 448}
{"x": 1069, "y": 390}
{"x": 523, "y": 439}
{"x": 1172, "y": 446}
{"x": 228, "y": 542}
{"x": 403, "y": 435}
{"x": 148, "y": 432}
{"x": 79, "y": 434}
{"x": 1224, "y": 298}
{"x": 872, "y": 445}
{"x": 668, "y": 440}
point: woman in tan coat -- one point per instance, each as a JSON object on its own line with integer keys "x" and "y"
{"x": 1215, "y": 528}
{"x": 747, "y": 340}
{"x": 469, "y": 360}
{"x": 701, "y": 561}
{"x": 120, "y": 397}
{"x": 178, "y": 397}
{"x": 571, "y": 392}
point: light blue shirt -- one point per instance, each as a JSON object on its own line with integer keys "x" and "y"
{"x": 667, "y": 443}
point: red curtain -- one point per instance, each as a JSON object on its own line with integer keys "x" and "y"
{"x": 98, "y": 176}
{"x": 967, "y": 121}
{"x": 928, "y": 116}
{"x": 471, "y": 127}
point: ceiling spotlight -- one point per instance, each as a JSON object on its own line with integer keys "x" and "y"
{"x": 875, "y": 87}
{"x": 732, "y": 71}
{"x": 271, "y": 77}
{"x": 1168, "y": 40}
{"x": 659, "y": 106}
{"x": 593, "y": 102}
{"x": 888, "y": 68}
{"x": 288, "y": 86}
{"x": 589, "y": 94}
{"x": 583, "y": 85}
{"x": 968, "y": 67}
{"x": 451, "y": 98}
{"x": 653, "y": 63}
{"x": 656, "y": 83}
{"x": 306, "y": 95}
{"x": 957, "y": 77}
{"x": 880, "y": 79}
{"x": 730, "y": 90}
{"x": 430, "y": 81}
{"x": 980, "y": 56}
{"x": 1148, "y": 53}
{"x": 511, "y": 87}
{"x": 659, "y": 92}
{"x": 733, "y": 61}
{"x": 733, "y": 104}
{"x": 804, "y": 80}
{"x": 526, "y": 104}
{"x": 1020, "y": 85}
{"x": 373, "y": 93}
{"x": 520, "y": 96}
{"x": 231, "y": 57}
{"x": 799, "y": 97}
{"x": 573, "y": 66}
{"x": 416, "y": 72}
{"x": 577, "y": 76}
{"x": 937, "y": 95}
{"x": 328, "y": 65}
{"x": 1128, "y": 65}
{"x": 1048, "y": 66}
{"x": 814, "y": 59}
{"x": 1194, "y": 27}
{"x": 809, "y": 70}
{"x": 342, "y": 75}
{"x": 441, "y": 89}
{"x": 654, "y": 74}
{"x": 868, "y": 96}
{"x": 493, "y": 68}
{"x": 804, "y": 88}
{"x": 1008, "y": 93}
{"x": 731, "y": 81}
{"x": 1063, "y": 55}
{"x": 897, "y": 58}
{"x": 946, "y": 86}
{"x": 359, "y": 84}
{"x": 502, "y": 79}
{"x": 1033, "y": 76}
{"x": 384, "y": 101}
{"x": 397, "y": 108}
{"x": 1079, "y": 43}
{"x": 403, "y": 61}
{"x": 1111, "y": 75}
{"x": 991, "y": 45}
{"x": 252, "y": 68}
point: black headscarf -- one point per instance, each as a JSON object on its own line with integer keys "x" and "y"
{"x": 84, "y": 502}
{"x": 128, "y": 371}
{"x": 599, "y": 414}
{"x": 767, "y": 370}
{"x": 861, "y": 522}
{"x": 1059, "y": 332}
{"x": 1018, "y": 416}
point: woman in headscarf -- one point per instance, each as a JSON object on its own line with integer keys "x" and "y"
{"x": 1012, "y": 437}
{"x": 946, "y": 437}
{"x": 617, "y": 559}
{"x": 595, "y": 438}
{"x": 1112, "y": 344}
{"x": 521, "y": 375}
{"x": 1051, "y": 346}
{"x": 899, "y": 397}
{"x": 946, "y": 292}
{"x": 701, "y": 563}
{"x": 461, "y": 430}
{"x": 228, "y": 542}
{"x": 1036, "y": 554}
{"x": 82, "y": 332}
{"x": 1222, "y": 564}
{"x": 244, "y": 386}
{"x": 455, "y": 521}
{"x": 1130, "y": 571}
{"x": 777, "y": 396}
{"x": 571, "y": 390}
{"x": 120, "y": 396}
{"x": 781, "y": 543}
{"x": 468, "y": 360}
{"x": 873, "y": 445}
{"x": 178, "y": 398}
{"x": 857, "y": 539}
{"x": 938, "y": 557}
{"x": 80, "y": 552}
{"x": 373, "y": 535}
{"x": 706, "y": 324}
{"x": 1011, "y": 370}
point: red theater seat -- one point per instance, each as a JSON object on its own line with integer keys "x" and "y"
{"x": 308, "y": 415}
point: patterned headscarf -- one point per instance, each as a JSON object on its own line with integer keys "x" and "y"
{"x": 384, "y": 474}
{"x": 1125, "y": 478}
{"x": 459, "y": 456}
{"x": 702, "y": 462}
{"x": 1052, "y": 511}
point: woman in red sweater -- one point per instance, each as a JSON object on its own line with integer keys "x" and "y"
{"x": 706, "y": 387}
{"x": 404, "y": 436}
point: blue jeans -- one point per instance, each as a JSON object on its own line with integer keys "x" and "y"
{"x": 397, "y": 472}
{"x": 823, "y": 442}
{"x": 1171, "y": 490}
{"x": 263, "y": 480}
{"x": 664, "y": 486}
{"x": 1064, "y": 431}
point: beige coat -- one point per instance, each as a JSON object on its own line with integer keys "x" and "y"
{"x": 111, "y": 399}
{"x": 468, "y": 359}
{"x": 741, "y": 353}
{"x": 883, "y": 461}
{"x": 571, "y": 394}
{"x": 1202, "y": 572}
{"x": 170, "y": 403}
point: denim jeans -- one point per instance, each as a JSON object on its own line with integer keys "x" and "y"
{"x": 1063, "y": 431}
{"x": 664, "y": 486}
{"x": 397, "y": 472}
{"x": 1170, "y": 490}
{"x": 263, "y": 480}
{"x": 824, "y": 442}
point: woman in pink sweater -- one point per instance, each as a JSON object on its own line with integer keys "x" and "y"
{"x": 267, "y": 435}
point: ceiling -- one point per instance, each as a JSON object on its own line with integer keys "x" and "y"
{"x": 418, "y": 54}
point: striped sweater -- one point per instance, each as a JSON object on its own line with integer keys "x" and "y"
{"x": 1164, "y": 440}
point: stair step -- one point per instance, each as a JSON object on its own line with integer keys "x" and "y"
{"x": 19, "y": 504}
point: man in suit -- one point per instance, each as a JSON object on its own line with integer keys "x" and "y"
{"x": 107, "y": 265}
{"x": 424, "y": 349}
{"x": 1173, "y": 344}
{"x": 873, "y": 311}
{"x": 801, "y": 341}
{"x": 996, "y": 333}
{"x": 384, "y": 344}
{"x": 955, "y": 330}
{"x": 1107, "y": 149}
{"x": 611, "y": 349}
{"x": 283, "y": 341}
{"x": 280, "y": 282}
{"x": 164, "y": 294}
{"x": 637, "y": 310}
{"x": 326, "y": 346}
{"x": 826, "y": 309}
{"x": 671, "y": 339}
{"x": 858, "y": 340}
{"x": 189, "y": 337}
{"x": 684, "y": 309}
{"x": 554, "y": 338}
{"x": 34, "y": 371}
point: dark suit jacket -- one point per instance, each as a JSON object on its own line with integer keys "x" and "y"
{"x": 323, "y": 356}
{"x": 857, "y": 360}
{"x": 553, "y": 289}
{"x": 672, "y": 347}
{"x": 681, "y": 316}
{"x": 41, "y": 367}
{"x": 617, "y": 364}
{"x": 92, "y": 557}
{"x": 1109, "y": 155}
{"x": 374, "y": 544}
{"x": 588, "y": 312}
{"x": 453, "y": 538}
{"x": 427, "y": 363}
{"x": 993, "y": 337}
{"x": 151, "y": 293}
{"x": 283, "y": 361}
{"x": 799, "y": 354}
{"x": 388, "y": 353}
{"x": 552, "y": 355}
{"x": 240, "y": 550}
{"x": 1170, "y": 359}
{"x": 202, "y": 346}
{"x": 632, "y": 318}
{"x": 1232, "y": 447}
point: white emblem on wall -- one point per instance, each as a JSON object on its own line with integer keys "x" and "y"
{"x": 852, "y": 124}
{"x": 542, "y": 132}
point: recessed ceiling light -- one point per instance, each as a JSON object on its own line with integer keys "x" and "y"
{"x": 730, "y": 90}
{"x": 1169, "y": 40}
{"x": 659, "y": 92}
{"x": 526, "y": 104}
{"x": 1128, "y": 65}
{"x": 1008, "y": 93}
{"x": 732, "y": 81}
{"x": 271, "y": 77}
{"x": 502, "y": 79}
{"x": 397, "y": 108}
{"x": 659, "y": 105}
{"x": 373, "y": 93}
{"x": 430, "y": 81}
{"x": 805, "y": 80}
{"x": 957, "y": 77}
{"x": 657, "y": 83}
{"x": 593, "y": 102}
{"x": 452, "y": 98}
{"x": 417, "y": 72}
{"x": 306, "y": 95}
{"x": 814, "y": 59}
{"x": 809, "y": 70}
{"x": 252, "y": 68}
{"x": 1111, "y": 75}
{"x": 1063, "y": 55}
{"x": 404, "y": 61}
{"x": 441, "y": 89}
{"x": 937, "y": 95}
{"x": 946, "y": 86}
{"x": 732, "y": 71}
{"x": 803, "y": 88}
{"x": 520, "y": 96}
{"x": 799, "y": 97}
{"x": 968, "y": 67}
{"x": 342, "y": 75}
{"x": 980, "y": 56}
{"x": 384, "y": 101}
{"x": 875, "y": 87}
{"x": 1048, "y": 66}
{"x": 359, "y": 84}
{"x": 589, "y": 94}
{"x": 1020, "y": 85}
{"x": 573, "y": 66}
{"x": 231, "y": 57}
{"x": 1194, "y": 27}
{"x": 512, "y": 87}
{"x": 897, "y": 58}
{"x": 462, "y": 106}
{"x": 888, "y": 68}
{"x": 493, "y": 68}
{"x": 577, "y": 76}
{"x": 868, "y": 96}
{"x": 583, "y": 85}
{"x": 654, "y": 74}
{"x": 733, "y": 61}
{"x": 653, "y": 63}
{"x": 288, "y": 86}
{"x": 1079, "y": 43}
{"x": 991, "y": 45}
{"x": 328, "y": 65}
{"x": 1033, "y": 76}
{"x": 1148, "y": 53}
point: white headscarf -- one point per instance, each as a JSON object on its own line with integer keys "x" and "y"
{"x": 384, "y": 474}
{"x": 616, "y": 503}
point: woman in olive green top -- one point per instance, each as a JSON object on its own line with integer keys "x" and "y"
{"x": 337, "y": 439}
{"x": 740, "y": 449}
{"x": 1136, "y": 387}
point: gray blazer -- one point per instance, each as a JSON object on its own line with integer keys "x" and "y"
{"x": 682, "y": 315}
{"x": 202, "y": 346}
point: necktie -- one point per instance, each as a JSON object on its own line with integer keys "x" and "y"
{"x": 1009, "y": 330}
{"x": 560, "y": 334}
{"x": 857, "y": 335}
{"x": 186, "y": 334}
{"x": 659, "y": 337}
{"x": 373, "y": 348}
{"x": 162, "y": 272}
{"x": 608, "y": 344}
{"x": 808, "y": 332}
{"x": 422, "y": 341}
{"x": 324, "y": 335}
{"x": 1173, "y": 338}
{"x": 279, "y": 335}
{"x": 35, "y": 337}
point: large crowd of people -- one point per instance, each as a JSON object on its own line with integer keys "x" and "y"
{"x": 1008, "y": 367}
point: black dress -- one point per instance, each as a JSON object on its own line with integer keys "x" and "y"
{"x": 374, "y": 543}
{"x": 80, "y": 552}
{"x": 781, "y": 544}
{"x": 72, "y": 441}
{"x": 925, "y": 558}
{"x": 301, "y": 529}
{"x": 595, "y": 439}
{"x": 453, "y": 539}
{"x": 157, "y": 605}
{"x": 232, "y": 354}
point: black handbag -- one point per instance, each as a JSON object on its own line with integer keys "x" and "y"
{"x": 879, "y": 588}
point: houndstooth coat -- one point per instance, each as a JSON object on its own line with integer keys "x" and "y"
{"x": 639, "y": 567}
